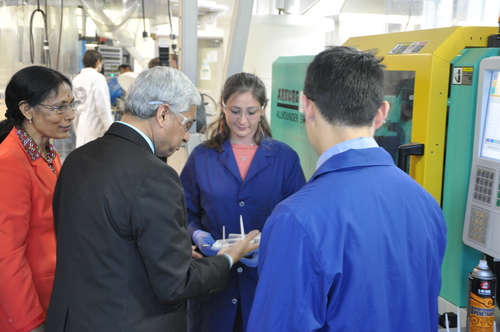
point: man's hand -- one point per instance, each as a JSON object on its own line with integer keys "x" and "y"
{"x": 194, "y": 253}
{"x": 241, "y": 248}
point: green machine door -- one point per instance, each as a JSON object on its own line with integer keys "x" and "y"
{"x": 460, "y": 259}
{"x": 287, "y": 119}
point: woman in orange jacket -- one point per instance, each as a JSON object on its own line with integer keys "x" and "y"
{"x": 40, "y": 106}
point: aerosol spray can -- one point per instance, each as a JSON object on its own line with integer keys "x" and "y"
{"x": 481, "y": 299}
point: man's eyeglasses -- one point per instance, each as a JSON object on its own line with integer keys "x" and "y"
{"x": 187, "y": 123}
{"x": 236, "y": 112}
{"x": 64, "y": 107}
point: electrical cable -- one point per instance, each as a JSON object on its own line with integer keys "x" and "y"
{"x": 410, "y": 14}
{"x": 60, "y": 36}
{"x": 144, "y": 33}
{"x": 45, "y": 46}
{"x": 172, "y": 36}
{"x": 31, "y": 31}
{"x": 213, "y": 101}
{"x": 170, "y": 17}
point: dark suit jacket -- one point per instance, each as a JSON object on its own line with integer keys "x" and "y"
{"x": 123, "y": 251}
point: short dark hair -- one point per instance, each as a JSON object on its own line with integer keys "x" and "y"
{"x": 347, "y": 85}
{"x": 32, "y": 85}
{"x": 154, "y": 62}
{"x": 90, "y": 58}
{"x": 124, "y": 66}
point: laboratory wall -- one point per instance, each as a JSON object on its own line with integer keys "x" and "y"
{"x": 22, "y": 36}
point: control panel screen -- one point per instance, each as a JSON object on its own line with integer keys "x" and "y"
{"x": 490, "y": 147}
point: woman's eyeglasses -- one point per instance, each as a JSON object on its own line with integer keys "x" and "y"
{"x": 64, "y": 107}
{"x": 236, "y": 112}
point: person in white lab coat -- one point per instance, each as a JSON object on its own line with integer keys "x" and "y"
{"x": 90, "y": 88}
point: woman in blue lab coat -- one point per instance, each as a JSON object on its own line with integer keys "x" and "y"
{"x": 240, "y": 172}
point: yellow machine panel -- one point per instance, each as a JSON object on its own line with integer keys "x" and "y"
{"x": 427, "y": 53}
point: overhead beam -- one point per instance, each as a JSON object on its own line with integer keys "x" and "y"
{"x": 188, "y": 39}
{"x": 238, "y": 37}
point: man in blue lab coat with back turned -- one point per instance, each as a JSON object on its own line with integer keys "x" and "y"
{"x": 360, "y": 246}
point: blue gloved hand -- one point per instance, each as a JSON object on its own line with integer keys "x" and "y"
{"x": 204, "y": 242}
{"x": 252, "y": 259}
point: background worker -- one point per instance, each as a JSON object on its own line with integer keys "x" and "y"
{"x": 92, "y": 91}
{"x": 124, "y": 68}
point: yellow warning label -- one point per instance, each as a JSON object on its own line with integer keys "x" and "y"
{"x": 482, "y": 314}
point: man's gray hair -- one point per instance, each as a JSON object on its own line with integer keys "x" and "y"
{"x": 163, "y": 84}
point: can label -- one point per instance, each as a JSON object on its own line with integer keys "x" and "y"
{"x": 481, "y": 305}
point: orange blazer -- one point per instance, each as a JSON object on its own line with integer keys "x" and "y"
{"x": 27, "y": 238}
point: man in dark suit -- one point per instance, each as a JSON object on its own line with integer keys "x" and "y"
{"x": 124, "y": 257}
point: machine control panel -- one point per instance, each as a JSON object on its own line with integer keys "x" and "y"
{"x": 483, "y": 190}
{"x": 482, "y": 217}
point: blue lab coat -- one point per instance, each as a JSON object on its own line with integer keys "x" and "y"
{"x": 216, "y": 196}
{"x": 358, "y": 248}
